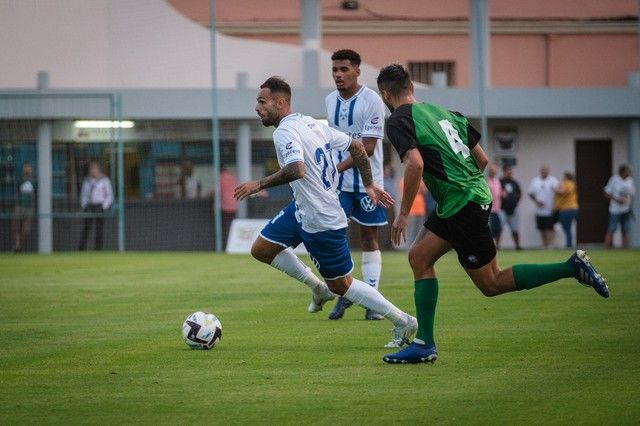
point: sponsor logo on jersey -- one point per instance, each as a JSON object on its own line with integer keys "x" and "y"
{"x": 375, "y": 120}
{"x": 288, "y": 145}
{"x": 472, "y": 259}
{"x": 369, "y": 128}
{"x": 366, "y": 204}
{"x": 291, "y": 152}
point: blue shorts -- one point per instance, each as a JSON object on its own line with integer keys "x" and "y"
{"x": 329, "y": 250}
{"x": 619, "y": 218}
{"x": 358, "y": 207}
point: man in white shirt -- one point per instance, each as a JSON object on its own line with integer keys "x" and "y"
{"x": 314, "y": 217}
{"x": 542, "y": 192}
{"x": 619, "y": 191}
{"x": 96, "y": 197}
{"x": 359, "y": 112}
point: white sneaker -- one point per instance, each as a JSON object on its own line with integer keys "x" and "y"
{"x": 318, "y": 300}
{"x": 403, "y": 333}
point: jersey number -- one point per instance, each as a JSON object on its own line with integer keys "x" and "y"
{"x": 326, "y": 167}
{"x": 454, "y": 138}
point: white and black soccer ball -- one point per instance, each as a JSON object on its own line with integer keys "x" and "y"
{"x": 202, "y": 330}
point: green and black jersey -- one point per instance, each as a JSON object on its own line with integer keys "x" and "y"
{"x": 445, "y": 140}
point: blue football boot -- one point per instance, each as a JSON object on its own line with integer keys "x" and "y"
{"x": 338, "y": 309}
{"x": 587, "y": 275}
{"x": 413, "y": 354}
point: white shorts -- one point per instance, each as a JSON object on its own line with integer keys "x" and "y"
{"x": 511, "y": 220}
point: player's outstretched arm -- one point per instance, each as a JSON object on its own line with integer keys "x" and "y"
{"x": 289, "y": 173}
{"x": 361, "y": 160}
{"x": 369, "y": 146}
{"x": 414, "y": 166}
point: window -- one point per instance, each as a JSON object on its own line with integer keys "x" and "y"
{"x": 433, "y": 73}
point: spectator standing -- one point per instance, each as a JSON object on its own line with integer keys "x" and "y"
{"x": 25, "y": 208}
{"x": 190, "y": 185}
{"x": 511, "y": 194}
{"x": 566, "y": 204}
{"x": 619, "y": 191}
{"x": 96, "y": 197}
{"x": 495, "y": 222}
{"x": 542, "y": 193}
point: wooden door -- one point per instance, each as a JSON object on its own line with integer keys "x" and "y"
{"x": 593, "y": 169}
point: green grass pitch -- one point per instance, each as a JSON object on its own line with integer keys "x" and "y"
{"x": 94, "y": 338}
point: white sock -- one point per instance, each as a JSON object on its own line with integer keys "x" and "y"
{"x": 371, "y": 267}
{"x": 367, "y": 296}
{"x": 287, "y": 262}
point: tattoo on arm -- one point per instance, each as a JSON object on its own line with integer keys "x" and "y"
{"x": 361, "y": 160}
{"x": 288, "y": 173}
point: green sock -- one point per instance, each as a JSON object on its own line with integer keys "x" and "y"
{"x": 426, "y": 298}
{"x": 531, "y": 276}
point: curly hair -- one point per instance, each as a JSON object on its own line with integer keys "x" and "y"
{"x": 347, "y": 54}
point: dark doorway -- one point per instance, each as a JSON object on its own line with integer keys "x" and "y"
{"x": 593, "y": 169}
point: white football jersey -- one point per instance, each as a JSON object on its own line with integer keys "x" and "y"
{"x": 361, "y": 116}
{"x": 618, "y": 187}
{"x": 302, "y": 138}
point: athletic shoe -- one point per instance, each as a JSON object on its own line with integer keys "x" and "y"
{"x": 338, "y": 309}
{"x": 318, "y": 300}
{"x": 370, "y": 315}
{"x": 403, "y": 333}
{"x": 587, "y": 275}
{"x": 413, "y": 354}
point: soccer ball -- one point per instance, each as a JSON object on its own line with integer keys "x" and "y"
{"x": 201, "y": 330}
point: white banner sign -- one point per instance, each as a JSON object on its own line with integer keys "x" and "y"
{"x": 244, "y": 232}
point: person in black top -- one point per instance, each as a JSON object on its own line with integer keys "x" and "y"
{"x": 510, "y": 199}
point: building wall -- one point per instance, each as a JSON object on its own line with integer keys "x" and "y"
{"x": 533, "y": 44}
{"x": 552, "y": 142}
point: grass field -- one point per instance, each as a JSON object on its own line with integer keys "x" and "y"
{"x": 95, "y": 338}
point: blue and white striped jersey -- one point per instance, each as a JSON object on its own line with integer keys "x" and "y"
{"x": 361, "y": 116}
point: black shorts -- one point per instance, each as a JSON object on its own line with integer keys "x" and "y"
{"x": 468, "y": 233}
{"x": 544, "y": 223}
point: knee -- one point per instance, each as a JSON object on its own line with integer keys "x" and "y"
{"x": 489, "y": 290}
{"x": 369, "y": 242}
{"x": 418, "y": 264}
{"x": 260, "y": 255}
{"x": 339, "y": 286}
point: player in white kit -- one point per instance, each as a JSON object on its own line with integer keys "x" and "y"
{"x": 358, "y": 111}
{"x": 314, "y": 217}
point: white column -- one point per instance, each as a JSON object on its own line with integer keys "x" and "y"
{"x": 634, "y": 162}
{"x": 479, "y": 41}
{"x": 311, "y": 39}
{"x": 44, "y": 172}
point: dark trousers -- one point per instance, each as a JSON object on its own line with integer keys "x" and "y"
{"x": 88, "y": 222}
{"x": 227, "y": 218}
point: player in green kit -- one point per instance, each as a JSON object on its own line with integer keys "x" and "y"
{"x": 441, "y": 148}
